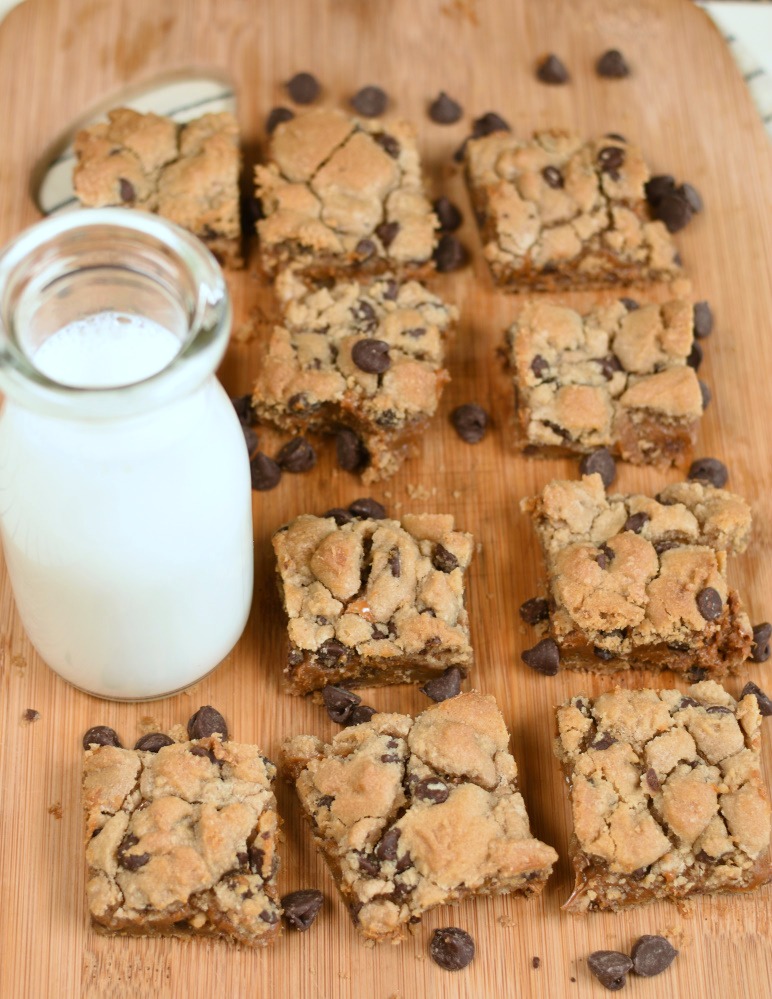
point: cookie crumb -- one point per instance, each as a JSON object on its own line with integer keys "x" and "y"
{"x": 55, "y": 809}
{"x": 31, "y": 715}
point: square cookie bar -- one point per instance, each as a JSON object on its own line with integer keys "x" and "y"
{"x": 641, "y": 581}
{"x": 342, "y": 194}
{"x": 558, "y": 212}
{"x": 362, "y": 361}
{"x": 181, "y": 836}
{"x": 666, "y": 795}
{"x": 371, "y": 601}
{"x": 414, "y": 813}
{"x": 617, "y": 378}
{"x": 187, "y": 173}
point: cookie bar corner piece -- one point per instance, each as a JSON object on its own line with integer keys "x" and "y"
{"x": 667, "y": 796}
{"x": 411, "y": 813}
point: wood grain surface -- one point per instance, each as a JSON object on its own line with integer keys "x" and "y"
{"x": 688, "y": 108}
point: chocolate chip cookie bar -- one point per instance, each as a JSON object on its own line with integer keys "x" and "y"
{"x": 344, "y": 195}
{"x": 188, "y": 173}
{"x": 362, "y": 361}
{"x": 616, "y": 378}
{"x": 372, "y": 601}
{"x": 558, "y": 212}
{"x": 414, "y": 813}
{"x": 666, "y": 793}
{"x": 641, "y": 581}
{"x": 181, "y": 835}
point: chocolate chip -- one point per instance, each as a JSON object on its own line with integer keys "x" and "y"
{"x": 331, "y": 652}
{"x": 205, "y": 722}
{"x": 609, "y": 366}
{"x": 444, "y": 686}
{"x": 451, "y": 948}
{"x": 551, "y": 70}
{"x": 443, "y": 560}
{"x": 365, "y": 248}
{"x": 604, "y": 742}
{"x": 696, "y": 673}
{"x": 152, "y": 742}
{"x": 403, "y": 864}
{"x": 765, "y": 704}
{"x": 367, "y": 863}
{"x": 340, "y": 703}
{"x": 31, "y": 715}
{"x": 450, "y": 254}
{"x": 303, "y": 88}
{"x": 552, "y": 176}
{"x": 269, "y": 916}
{"x": 362, "y": 713}
{"x": 301, "y": 908}
{"x": 709, "y": 603}
{"x": 371, "y": 356}
{"x": 431, "y": 789}
{"x": 458, "y": 155}
{"x": 694, "y": 360}
{"x": 719, "y": 709}
{"x": 387, "y": 846}
{"x": 370, "y": 101}
{"x": 470, "y": 422}
{"x": 602, "y": 462}
{"x": 443, "y": 110}
{"x": 760, "y": 648}
{"x": 535, "y": 610}
{"x": 673, "y": 209}
{"x": 610, "y": 968}
{"x": 352, "y": 454}
{"x": 387, "y": 233}
{"x": 367, "y": 509}
{"x": 635, "y": 522}
{"x": 687, "y": 702}
{"x": 394, "y": 563}
{"x": 244, "y": 409}
{"x": 703, "y": 320}
{"x": 709, "y": 470}
{"x": 275, "y": 118}
{"x": 612, "y": 65}
{"x": 264, "y": 471}
{"x": 130, "y": 861}
{"x": 300, "y": 404}
{"x": 126, "y": 190}
{"x": 101, "y": 735}
{"x": 250, "y": 438}
{"x": 652, "y": 780}
{"x": 665, "y": 546}
{"x": 706, "y": 394}
{"x": 339, "y": 515}
{"x": 448, "y": 215}
{"x": 605, "y": 655}
{"x": 391, "y": 291}
{"x": 296, "y": 455}
{"x": 535, "y": 962}
{"x": 610, "y": 159}
{"x": 691, "y": 196}
{"x": 200, "y": 751}
{"x": 605, "y": 556}
{"x": 630, "y": 304}
{"x": 325, "y": 801}
{"x": 364, "y": 315}
{"x": 390, "y": 758}
{"x": 488, "y": 123}
{"x": 652, "y": 955}
{"x": 544, "y": 657}
{"x": 539, "y": 365}
{"x": 658, "y": 187}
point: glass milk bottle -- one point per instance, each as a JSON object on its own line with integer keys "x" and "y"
{"x": 125, "y": 498}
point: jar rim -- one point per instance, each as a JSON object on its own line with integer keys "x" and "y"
{"x": 200, "y": 351}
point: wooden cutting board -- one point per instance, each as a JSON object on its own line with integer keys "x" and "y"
{"x": 688, "y": 108}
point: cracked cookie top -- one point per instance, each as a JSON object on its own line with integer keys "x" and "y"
{"x": 665, "y": 784}
{"x": 340, "y": 186}
{"x": 410, "y": 811}
{"x": 188, "y": 173}
{"x": 555, "y": 200}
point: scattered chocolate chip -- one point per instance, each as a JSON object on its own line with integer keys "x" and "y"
{"x": 604, "y": 742}
{"x": 301, "y": 908}
{"x": 443, "y": 560}
{"x": 612, "y": 65}
{"x": 458, "y": 155}
{"x": 709, "y": 603}
{"x": 610, "y": 159}
{"x": 694, "y": 360}
{"x": 371, "y": 356}
{"x": 340, "y": 703}
{"x": 250, "y": 438}
{"x": 470, "y": 422}
{"x": 205, "y": 722}
{"x": 362, "y": 713}
{"x": 652, "y": 955}
{"x": 339, "y": 515}
{"x": 709, "y": 470}
{"x": 451, "y": 948}
{"x": 657, "y": 187}
{"x": 264, "y": 471}
{"x": 387, "y": 233}
{"x": 551, "y": 70}
{"x": 707, "y": 395}
{"x": 544, "y": 657}
{"x": 760, "y": 647}
{"x": 535, "y": 962}
{"x": 602, "y": 462}
{"x": 652, "y": 780}
{"x": 244, "y": 409}
{"x": 31, "y": 715}
{"x": 101, "y": 735}
{"x": 488, "y": 123}
{"x": 370, "y": 101}
{"x": 130, "y": 861}
{"x": 126, "y": 190}
{"x": 443, "y": 110}
{"x": 365, "y": 248}
{"x": 367, "y": 509}
{"x": 303, "y": 88}
{"x": 331, "y": 652}
{"x": 610, "y": 968}
{"x": 765, "y": 704}
{"x": 673, "y": 209}
{"x": 552, "y": 176}
{"x": 275, "y": 118}
{"x": 352, "y": 454}
{"x": 691, "y": 196}
{"x": 630, "y": 304}
{"x": 447, "y": 684}
{"x": 386, "y": 849}
{"x": 152, "y": 742}
{"x": 635, "y": 522}
{"x": 431, "y": 789}
{"x": 448, "y": 215}
{"x": 703, "y": 320}
{"x": 296, "y": 455}
{"x": 535, "y": 610}
{"x": 450, "y": 254}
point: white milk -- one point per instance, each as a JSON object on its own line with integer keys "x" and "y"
{"x": 128, "y": 541}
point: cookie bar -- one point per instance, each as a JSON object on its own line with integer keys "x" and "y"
{"x": 617, "y": 378}
{"x": 364, "y": 358}
{"x": 188, "y": 173}
{"x": 342, "y": 194}
{"x": 641, "y": 581}
{"x": 666, "y": 794}
{"x": 414, "y": 813}
{"x": 372, "y": 602}
{"x": 557, "y": 212}
{"x": 181, "y": 838}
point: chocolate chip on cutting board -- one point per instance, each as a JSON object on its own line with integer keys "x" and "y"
{"x": 340, "y": 703}
{"x": 764, "y": 702}
{"x": 275, "y": 118}
{"x": 448, "y": 684}
{"x": 443, "y": 110}
{"x": 351, "y": 452}
{"x": 368, "y": 509}
{"x": 448, "y": 215}
{"x": 551, "y": 70}
{"x": 451, "y": 948}
{"x": 205, "y": 722}
{"x": 370, "y": 101}
{"x": 535, "y": 610}
{"x": 153, "y": 742}
{"x": 711, "y": 471}
{"x": 450, "y": 254}
{"x": 101, "y": 735}
{"x": 610, "y": 968}
{"x": 264, "y": 471}
{"x": 612, "y": 65}
{"x": 544, "y": 657}
{"x": 602, "y": 462}
{"x": 651, "y": 955}
{"x": 296, "y": 455}
{"x": 303, "y": 88}
{"x": 761, "y": 647}
{"x": 470, "y": 422}
{"x": 301, "y": 908}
